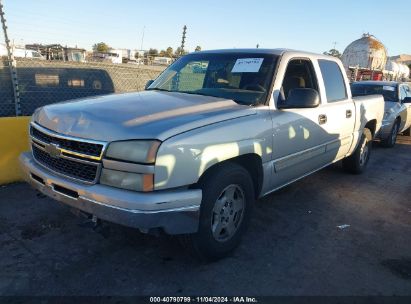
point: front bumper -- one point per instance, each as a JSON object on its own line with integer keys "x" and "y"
{"x": 174, "y": 211}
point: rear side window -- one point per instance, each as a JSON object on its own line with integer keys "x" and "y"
{"x": 333, "y": 80}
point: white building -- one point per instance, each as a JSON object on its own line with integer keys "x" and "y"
{"x": 162, "y": 61}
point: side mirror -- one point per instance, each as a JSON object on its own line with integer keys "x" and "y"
{"x": 149, "y": 83}
{"x": 301, "y": 98}
{"x": 407, "y": 100}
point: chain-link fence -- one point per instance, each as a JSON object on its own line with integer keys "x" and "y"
{"x": 7, "y": 105}
{"x": 44, "y": 82}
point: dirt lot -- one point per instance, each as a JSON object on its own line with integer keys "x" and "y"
{"x": 293, "y": 246}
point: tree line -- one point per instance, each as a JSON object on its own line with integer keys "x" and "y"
{"x": 103, "y": 47}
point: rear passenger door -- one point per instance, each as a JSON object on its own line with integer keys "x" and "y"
{"x": 339, "y": 110}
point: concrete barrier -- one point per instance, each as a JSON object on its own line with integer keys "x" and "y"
{"x": 13, "y": 141}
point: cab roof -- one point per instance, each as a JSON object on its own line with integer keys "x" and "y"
{"x": 252, "y": 51}
{"x": 277, "y": 52}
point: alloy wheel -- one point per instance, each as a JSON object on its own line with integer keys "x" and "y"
{"x": 228, "y": 213}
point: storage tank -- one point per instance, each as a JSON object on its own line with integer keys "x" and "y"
{"x": 404, "y": 71}
{"x": 392, "y": 67}
{"x": 407, "y": 72}
{"x": 365, "y": 53}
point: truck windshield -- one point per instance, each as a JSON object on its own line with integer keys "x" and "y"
{"x": 242, "y": 77}
{"x": 389, "y": 92}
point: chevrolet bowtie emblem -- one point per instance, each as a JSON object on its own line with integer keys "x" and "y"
{"x": 54, "y": 150}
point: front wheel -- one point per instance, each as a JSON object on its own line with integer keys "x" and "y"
{"x": 357, "y": 162}
{"x": 228, "y": 197}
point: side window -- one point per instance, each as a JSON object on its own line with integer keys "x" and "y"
{"x": 407, "y": 91}
{"x": 403, "y": 93}
{"x": 333, "y": 80}
{"x": 299, "y": 74}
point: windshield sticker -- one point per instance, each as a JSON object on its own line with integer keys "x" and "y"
{"x": 388, "y": 88}
{"x": 247, "y": 65}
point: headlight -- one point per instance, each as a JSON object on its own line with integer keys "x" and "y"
{"x": 136, "y": 151}
{"x": 127, "y": 180}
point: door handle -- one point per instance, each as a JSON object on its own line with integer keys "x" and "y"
{"x": 322, "y": 119}
{"x": 348, "y": 114}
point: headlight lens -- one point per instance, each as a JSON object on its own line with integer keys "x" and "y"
{"x": 136, "y": 151}
{"x": 127, "y": 180}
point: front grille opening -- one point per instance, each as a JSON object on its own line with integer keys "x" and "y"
{"x": 87, "y": 148}
{"x": 74, "y": 169}
{"x": 38, "y": 179}
{"x": 65, "y": 191}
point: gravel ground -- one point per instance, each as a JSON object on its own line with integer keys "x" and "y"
{"x": 293, "y": 246}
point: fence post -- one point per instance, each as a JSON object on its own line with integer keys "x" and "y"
{"x": 12, "y": 63}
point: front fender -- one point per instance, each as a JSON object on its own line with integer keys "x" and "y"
{"x": 182, "y": 160}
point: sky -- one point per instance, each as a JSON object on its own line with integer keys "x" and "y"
{"x": 313, "y": 26}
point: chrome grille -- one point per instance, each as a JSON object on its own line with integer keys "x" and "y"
{"x": 74, "y": 158}
{"x": 74, "y": 169}
{"x": 72, "y": 145}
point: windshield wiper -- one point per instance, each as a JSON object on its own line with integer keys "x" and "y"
{"x": 158, "y": 89}
{"x": 209, "y": 95}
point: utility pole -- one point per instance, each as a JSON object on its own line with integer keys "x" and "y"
{"x": 11, "y": 62}
{"x": 142, "y": 38}
{"x": 183, "y": 40}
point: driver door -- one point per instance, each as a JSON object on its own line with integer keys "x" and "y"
{"x": 299, "y": 135}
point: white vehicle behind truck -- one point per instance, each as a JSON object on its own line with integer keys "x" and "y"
{"x": 21, "y": 53}
{"x": 24, "y": 53}
{"x": 213, "y": 133}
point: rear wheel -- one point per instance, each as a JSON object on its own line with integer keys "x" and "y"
{"x": 389, "y": 142}
{"x": 228, "y": 197}
{"x": 357, "y": 162}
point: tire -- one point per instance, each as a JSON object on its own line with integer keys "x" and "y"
{"x": 407, "y": 132}
{"x": 224, "y": 188}
{"x": 357, "y": 162}
{"x": 390, "y": 141}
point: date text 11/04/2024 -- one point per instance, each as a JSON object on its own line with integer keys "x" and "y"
{"x": 203, "y": 300}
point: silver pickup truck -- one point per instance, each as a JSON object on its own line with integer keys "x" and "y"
{"x": 213, "y": 133}
{"x": 397, "y": 115}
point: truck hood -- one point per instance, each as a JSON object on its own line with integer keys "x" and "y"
{"x": 142, "y": 115}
